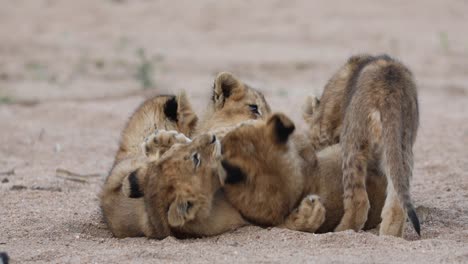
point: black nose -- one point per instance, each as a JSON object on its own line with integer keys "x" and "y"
{"x": 213, "y": 140}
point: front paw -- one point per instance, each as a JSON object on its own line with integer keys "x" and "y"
{"x": 160, "y": 141}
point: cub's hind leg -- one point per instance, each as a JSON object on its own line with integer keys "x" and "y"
{"x": 308, "y": 217}
{"x": 394, "y": 214}
{"x": 355, "y": 198}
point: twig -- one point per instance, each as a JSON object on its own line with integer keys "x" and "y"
{"x": 8, "y": 173}
{"x": 72, "y": 179}
{"x": 68, "y": 173}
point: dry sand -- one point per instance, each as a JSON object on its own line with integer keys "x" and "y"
{"x": 67, "y": 86}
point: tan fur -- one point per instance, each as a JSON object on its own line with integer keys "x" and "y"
{"x": 325, "y": 116}
{"x": 181, "y": 193}
{"x": 174, "y": 184}
{"x": 267, "y": 186}
{"x": 370, "y": 106}
{"x": 232, "y": 102}
{"x": 177, "y": 184}
{"x": 126, "y": 216}
{"x": 183, "y": 201}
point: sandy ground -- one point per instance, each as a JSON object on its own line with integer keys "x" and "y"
{"x": 68, "y": 83}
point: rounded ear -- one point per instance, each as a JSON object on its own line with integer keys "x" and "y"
{"x": 170, "y": 109}
{"x": 174, "y": 215}
{"x": 310, "y": 108}
{"x": 225, "y": 86}
{"x": 233, "y": 173}
{"x": 180, "y": 211}
{"x": 186, "y": 116}
{"x": 311, "y": 105}
{"x": 132, "y": 185}
{"x": 280, "y": 127}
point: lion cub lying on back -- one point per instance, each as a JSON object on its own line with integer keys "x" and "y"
{"x": 124, "y": 216}
{"x": 370, "y": 107}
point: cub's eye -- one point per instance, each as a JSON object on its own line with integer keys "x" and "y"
{"x": 196, "y": 159}
{"x": 254, "y": 109}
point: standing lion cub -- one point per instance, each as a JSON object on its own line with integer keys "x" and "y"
{"x": 370, "y": 107}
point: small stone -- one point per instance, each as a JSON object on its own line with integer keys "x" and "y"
{"x": 5, "y": 180}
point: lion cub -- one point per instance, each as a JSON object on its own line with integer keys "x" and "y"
{"x": 269, "y": 170}
{"x": 185, "y": 200}
{"x": 182, "y": 189}
{"x": 140, "y": 149}
{"x": 126, "y": 216}
{"x": 370, "y": 106}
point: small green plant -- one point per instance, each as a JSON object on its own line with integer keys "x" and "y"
{"x": 5, "y": 100}
{"x": 282, "y": 92}
{"x": 145, "y": 70}
{"x": 444, "y": 41}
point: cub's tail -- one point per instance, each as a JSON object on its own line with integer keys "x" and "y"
{"x": 397, "y": 142}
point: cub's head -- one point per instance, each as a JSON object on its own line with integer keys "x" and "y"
{"x": 181, "y": 184}
{"x": 263, "y": 171}
{"x": 233, "y": 101}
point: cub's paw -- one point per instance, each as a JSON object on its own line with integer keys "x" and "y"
{"x": 160, "y": 141}
{"x": 355, "y": 212}
{"x": 309, "y": 216}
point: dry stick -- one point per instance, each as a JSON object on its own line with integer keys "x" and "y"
{"x": 8, "y": 173}
{"x": 72, "y": 176}
{"x": 72, "y": 179}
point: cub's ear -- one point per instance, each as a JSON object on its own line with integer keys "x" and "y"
{"x": 311, "y": 105}
{"x": 233, "y": 173}
{"x": 170, "y": 109}
{"x": 180, "y": 211}
{"x": 280, "y": 127}
{"x": 310, "y": 108}
{"x": 226, "y": 86}
{"x": 132, "y": 185}
{"x": 185, "y": 115}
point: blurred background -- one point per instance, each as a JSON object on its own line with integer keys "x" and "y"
{"x": 87, "y": 49}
